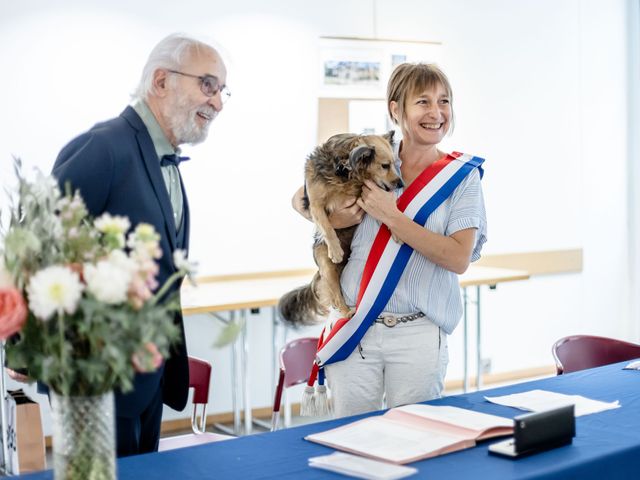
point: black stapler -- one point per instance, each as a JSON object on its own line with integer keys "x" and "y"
{"x": 535, "y": 432}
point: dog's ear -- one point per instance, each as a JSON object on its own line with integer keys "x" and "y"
{"x": 389, "y": 136}
{"x": 362, "y": 155}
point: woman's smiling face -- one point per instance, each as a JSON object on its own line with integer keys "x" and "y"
{"x": 427, "y": 115}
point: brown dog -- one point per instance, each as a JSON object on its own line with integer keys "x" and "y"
{"x": 334, "y": 172}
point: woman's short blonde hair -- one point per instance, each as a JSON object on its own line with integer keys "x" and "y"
{"x": 409, "y": 79}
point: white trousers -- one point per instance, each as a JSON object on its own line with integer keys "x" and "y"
{"x": 403, "y": 364}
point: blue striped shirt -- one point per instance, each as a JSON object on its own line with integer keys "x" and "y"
{"x": 424, "y": 286}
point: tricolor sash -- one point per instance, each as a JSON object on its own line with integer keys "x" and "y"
{"x": 387, "y": 259}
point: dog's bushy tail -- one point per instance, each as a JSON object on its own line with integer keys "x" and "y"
{"x": 302, "y": 306}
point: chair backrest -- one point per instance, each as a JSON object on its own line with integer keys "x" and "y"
{"x": 578, "y": 352}
{"x": 296, "y": 360}
{"x": 199, "y": 379}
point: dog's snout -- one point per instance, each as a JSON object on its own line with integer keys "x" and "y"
{"x": 399, "y": 183}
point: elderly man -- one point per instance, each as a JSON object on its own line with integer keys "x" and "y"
{"x": 129, "y": 166}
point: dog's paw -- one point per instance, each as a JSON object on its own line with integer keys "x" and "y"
{"x": 351, "y": 312}
{"x": 336, "y": 255}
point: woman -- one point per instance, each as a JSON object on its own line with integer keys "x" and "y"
{"x": 403, "y": 355}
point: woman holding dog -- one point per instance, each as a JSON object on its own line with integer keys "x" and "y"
{"x": 403, "y": 354}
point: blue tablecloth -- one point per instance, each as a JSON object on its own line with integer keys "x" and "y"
{"x": 606, "y": 446}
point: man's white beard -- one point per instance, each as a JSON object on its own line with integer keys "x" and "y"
{"x": 182, "y": 121}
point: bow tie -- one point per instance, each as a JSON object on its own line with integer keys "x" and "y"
{"x": 172, "y": 159}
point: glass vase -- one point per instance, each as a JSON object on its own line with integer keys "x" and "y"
{"x": 83, "y": 437}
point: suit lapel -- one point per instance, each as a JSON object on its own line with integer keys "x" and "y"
{"x": 185, "y": 215}
{"x": 152, "y": 166}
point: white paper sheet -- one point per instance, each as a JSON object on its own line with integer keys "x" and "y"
{"x": 360, "y": 467}
{"x": 541, "y": 400}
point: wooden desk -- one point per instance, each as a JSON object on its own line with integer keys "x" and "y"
{"x": 243, "y": 291}
{"x": 477, "y": 276}
{"x": 237, "y": 294}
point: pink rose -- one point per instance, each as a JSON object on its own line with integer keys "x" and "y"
{"x": 13, "y": 311}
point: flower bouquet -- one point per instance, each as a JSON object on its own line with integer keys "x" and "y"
{"x": 81, "y": 309}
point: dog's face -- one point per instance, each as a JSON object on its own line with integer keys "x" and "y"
{"x": 372, "y": 159}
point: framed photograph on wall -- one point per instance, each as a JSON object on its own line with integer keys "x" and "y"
{"x": 360, "y": 68}
{"x": 353, "y": 75}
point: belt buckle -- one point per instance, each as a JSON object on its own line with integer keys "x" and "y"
{"x": 389, "y": 321}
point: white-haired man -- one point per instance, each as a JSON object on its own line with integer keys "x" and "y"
{"x": 129, "y": 166}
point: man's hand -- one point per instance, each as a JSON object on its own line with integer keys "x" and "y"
{"x": 147, "y": 361}
{"x": 18, "y": 377}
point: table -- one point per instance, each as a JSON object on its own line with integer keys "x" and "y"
{"x": 239, "y": 293}
{"x": 606, "y": 446}
{"x": 477, "y": 276}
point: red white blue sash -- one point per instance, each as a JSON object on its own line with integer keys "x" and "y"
{"x": 387, "y": 259}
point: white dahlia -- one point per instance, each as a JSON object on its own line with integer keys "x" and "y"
{"x": 55, "y": 289}
{"x": 108, "y": 280}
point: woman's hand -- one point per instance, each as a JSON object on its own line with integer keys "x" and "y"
{"x": 378, "y": 203}
{"x": 347, "y": 214}
{"x": 297, "y": 202}
{"x": 18, "y": 377}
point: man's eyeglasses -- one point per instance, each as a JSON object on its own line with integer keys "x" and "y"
{"x": 209, "y": 84}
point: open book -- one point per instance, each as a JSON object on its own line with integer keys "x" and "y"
{"x": 414, "y": 432}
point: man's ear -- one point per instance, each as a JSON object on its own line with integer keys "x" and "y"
{"x": 160, "y": 82}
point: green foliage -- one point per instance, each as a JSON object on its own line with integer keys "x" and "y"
{"x": 90, "y": 352}
{"x": 88, "y": 349}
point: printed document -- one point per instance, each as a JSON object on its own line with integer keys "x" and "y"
{"x": 540, "y": 400}
{"x": 413, "y": 432}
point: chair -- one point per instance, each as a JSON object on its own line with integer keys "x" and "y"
{"x": 578, "y": 352}
{"x": 296, "y": 359}
{"x": 199, "y": 379}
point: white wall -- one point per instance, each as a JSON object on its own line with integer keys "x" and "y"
{"x": 540, "y": 92}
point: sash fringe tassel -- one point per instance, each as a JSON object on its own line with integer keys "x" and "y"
{"x": 308, "y": 404}
{"x": 322, "y": 405}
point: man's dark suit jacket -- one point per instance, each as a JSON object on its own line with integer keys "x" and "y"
{"x": 116, "y": 169}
